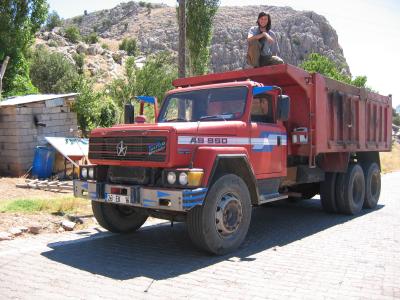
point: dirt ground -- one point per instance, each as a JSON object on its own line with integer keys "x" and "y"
{"x": 48, "y": 222}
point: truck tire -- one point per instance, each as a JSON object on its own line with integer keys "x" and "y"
{"x": 328, "y": 193}
{"x": 350, "y": 190}
{"x": 118, "y": 218}
{"x": 220, "y": 225}
{"x": 372, "y": 175}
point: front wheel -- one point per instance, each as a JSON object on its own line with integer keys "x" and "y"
{"x": 221, "y": 224}
{"x": 118, "y": 218}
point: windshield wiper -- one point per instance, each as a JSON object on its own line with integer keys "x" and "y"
{"x": 213, "y": 117}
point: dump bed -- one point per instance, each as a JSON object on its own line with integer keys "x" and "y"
{"x": 338, "y": 117}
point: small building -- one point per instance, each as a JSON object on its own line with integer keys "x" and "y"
{"x": 25, "y": 121}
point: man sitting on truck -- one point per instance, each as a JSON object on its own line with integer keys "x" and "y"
{"x": 263, "y": 47}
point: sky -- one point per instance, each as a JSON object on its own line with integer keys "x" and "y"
{"x": 367, "y": 30}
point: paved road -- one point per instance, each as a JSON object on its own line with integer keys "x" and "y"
{"x": 292, "y": 251}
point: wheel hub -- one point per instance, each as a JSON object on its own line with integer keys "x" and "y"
{"x": 228, "y": 215}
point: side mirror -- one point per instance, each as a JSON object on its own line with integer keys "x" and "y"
{"x": 129, "y": 111}
{"x": 283, "y": 110}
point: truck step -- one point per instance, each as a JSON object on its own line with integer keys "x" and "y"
{"x": 271, "y": 197}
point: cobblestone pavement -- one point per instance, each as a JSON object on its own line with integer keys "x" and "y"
{"x": 291, "y": 251}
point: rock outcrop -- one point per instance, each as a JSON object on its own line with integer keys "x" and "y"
{"x": 299, "y": 32}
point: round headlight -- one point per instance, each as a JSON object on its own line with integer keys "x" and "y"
{"x": 171, "y": 177}
{"x": 84, "y": 172}
{"x": 183, "y": 178}
{"x": 91, "y": 173}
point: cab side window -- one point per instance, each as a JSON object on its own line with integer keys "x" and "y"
{"x": 262, "y": 109}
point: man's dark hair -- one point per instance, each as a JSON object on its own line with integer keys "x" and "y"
{"x": 263, "y": 14}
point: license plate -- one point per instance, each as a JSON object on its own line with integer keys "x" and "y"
{"x": 118, "y": 198}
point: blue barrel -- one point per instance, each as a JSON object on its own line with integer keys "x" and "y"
{"x": 43, "y": 162}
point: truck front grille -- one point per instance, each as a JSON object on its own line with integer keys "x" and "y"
{"x": 129, "y": 148}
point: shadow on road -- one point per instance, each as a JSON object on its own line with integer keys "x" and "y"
{"x": 161, "y": 252}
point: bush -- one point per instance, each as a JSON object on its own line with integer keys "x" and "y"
{"x": 72, "y": 34}
{"x": 108, "y": 112}
{"x": 105, "y": 46}
{"x": 53, "y": 20}
{"x": 79, "y": 61}
{"x": 52, "y": 44}
{"x": 92, "y": 38}
{"x": 129, "y": 45}
{"x": 52, "y": 72}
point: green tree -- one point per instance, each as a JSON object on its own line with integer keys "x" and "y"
{"x": 53, "y": 20}
{"x": 123, "y": 90}
{"x": 94, "y": 108}
{"x": 19, "y": 21}
{"x": 72, "y": 34}
{"x": 154, "y": 79}
{"x": 323, "y": 65}
{"x": 108, "y": 112}
{"x": 129, "y": 45}
{"x": 156, "y": 76}
{"x": 199, "y": 19}
{"x": 52, "y": 73}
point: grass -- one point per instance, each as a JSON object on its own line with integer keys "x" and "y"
{"x": 390, "y": 161}
{"x": 57, "y": 206}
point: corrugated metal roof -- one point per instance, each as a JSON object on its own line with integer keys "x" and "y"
{"x": 19, "y": 100}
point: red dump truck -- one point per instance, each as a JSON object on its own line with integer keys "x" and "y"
{"x": 227, "y": 142}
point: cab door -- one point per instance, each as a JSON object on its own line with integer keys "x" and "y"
{"x": 268, "y": 139}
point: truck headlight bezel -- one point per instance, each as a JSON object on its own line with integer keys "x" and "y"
{"x": 183, "y": 177}
{"x": 87, "y": 172}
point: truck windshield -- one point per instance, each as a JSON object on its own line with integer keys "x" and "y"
{"x": 204, "y": 105}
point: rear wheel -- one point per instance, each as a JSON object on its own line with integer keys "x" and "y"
{"x": 350, "y": 190}
{"x": 372, "y": 175}
{"x": 328, "y": 194}
{"x": 221, "y": 224}
{"x": 118, "y": 218}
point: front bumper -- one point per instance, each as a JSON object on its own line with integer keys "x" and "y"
{"x": 140, "y": 196}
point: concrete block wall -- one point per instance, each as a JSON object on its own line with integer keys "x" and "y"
{"x": 19, "y": 135}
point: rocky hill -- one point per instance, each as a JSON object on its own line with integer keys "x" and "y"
{"x": 299, "y": 33}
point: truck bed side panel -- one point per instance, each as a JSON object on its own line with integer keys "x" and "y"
{"x": 350, "y": 119}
